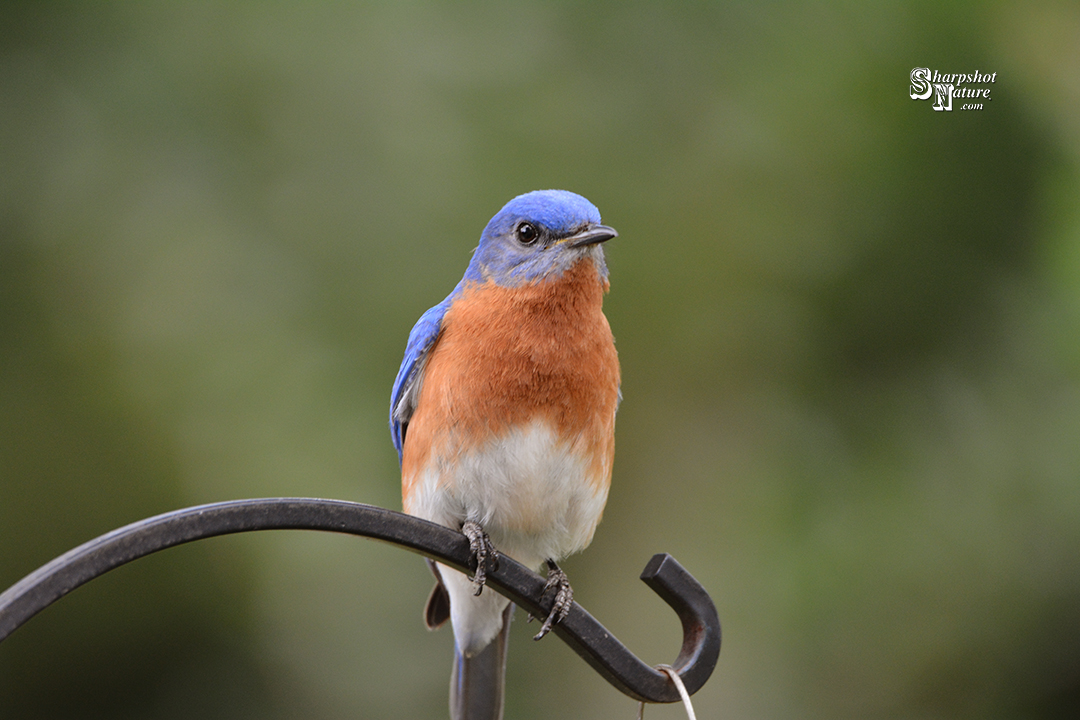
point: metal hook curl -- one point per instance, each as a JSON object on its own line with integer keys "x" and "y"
{"x": 587, "y": 637}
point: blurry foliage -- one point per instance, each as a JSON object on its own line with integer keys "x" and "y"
{"x": 848, "y": 326}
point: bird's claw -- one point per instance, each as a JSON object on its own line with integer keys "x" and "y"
{"x": 564, "y": 598}
{"x": 483, "y": 552}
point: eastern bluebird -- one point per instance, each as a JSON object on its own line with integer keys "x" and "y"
{"x": 503, "y": 416}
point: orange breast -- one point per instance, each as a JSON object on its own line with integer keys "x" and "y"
{"x": 508, "y": 356}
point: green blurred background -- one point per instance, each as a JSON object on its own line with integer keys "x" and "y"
{"x": 849, "y": 328}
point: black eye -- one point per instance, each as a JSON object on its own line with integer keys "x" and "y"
{"x": 526, "y": 233}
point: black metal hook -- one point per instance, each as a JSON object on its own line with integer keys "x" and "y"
{"x": 579, "y": 630}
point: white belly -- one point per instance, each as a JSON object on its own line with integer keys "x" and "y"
{"x": 528, "y": 489}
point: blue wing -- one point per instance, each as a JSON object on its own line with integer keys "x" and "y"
{"x": 411, "y": 374}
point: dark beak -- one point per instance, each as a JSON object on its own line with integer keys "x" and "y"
{"x": 591, "y": 235}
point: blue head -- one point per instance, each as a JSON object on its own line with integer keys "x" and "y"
{"x": 539, "y": 235}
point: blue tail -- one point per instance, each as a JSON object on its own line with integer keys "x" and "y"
{"x": 477, "y": 683}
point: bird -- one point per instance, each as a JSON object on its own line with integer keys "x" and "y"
{"x": 503, "y": 417}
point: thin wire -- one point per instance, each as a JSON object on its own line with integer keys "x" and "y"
{"x": 670, "y": 672}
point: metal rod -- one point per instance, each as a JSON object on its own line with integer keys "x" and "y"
{"x": 587, "y": 637}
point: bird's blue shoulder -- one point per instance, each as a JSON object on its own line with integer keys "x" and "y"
{"x": 411, "y": 373}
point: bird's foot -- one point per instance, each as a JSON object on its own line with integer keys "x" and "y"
{"x": 483, "y": 552}
{"x": 564, "y": 598}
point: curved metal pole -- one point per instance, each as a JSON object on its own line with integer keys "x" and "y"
{"x": 579, "y": 630}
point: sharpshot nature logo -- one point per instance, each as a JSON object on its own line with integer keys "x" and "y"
{"x": 946, "y": 86}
